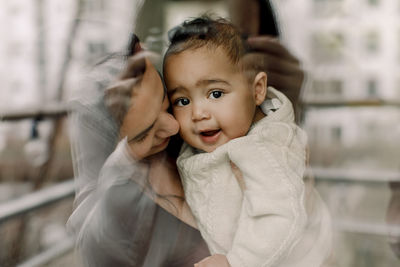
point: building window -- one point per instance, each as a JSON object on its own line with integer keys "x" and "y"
{"x": 95, "y": 6}
{"x": 373, "y": 2}
{"x": 96, "y": 50}
{"x": 397, "y": 87}
{"x": 372, "y": 88}
{"x": 398, "y": 6}
{"x": 398, "y": 44}
{"x": 372, "y": 42}
{"x": 330, "y": 89}
{"x": 327, "y": 47}
{"x": 336, "y": 134}
{"x": 327, "y": 8}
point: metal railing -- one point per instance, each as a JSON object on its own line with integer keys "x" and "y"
{"x": 362, "y": 227}
{"x": 46, "y": 196}
{"x": 54, "y": 110}
{"x": 43, "y": 197}
{"x": 354, "y": 175}
{"x": 65, "y": 190}
{"x": 46, "y": 257}
{"x": 347, "y": 176}
{"x": 36, "y": 200}
{"x": 350, "y": 103}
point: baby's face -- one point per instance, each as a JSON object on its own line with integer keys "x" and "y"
{"x": 210, "y": 96}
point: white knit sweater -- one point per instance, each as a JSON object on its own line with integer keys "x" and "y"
{"x": 275, "y": 220}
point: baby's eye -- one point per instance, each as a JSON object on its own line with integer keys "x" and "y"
{"x": 181, "y": 102}
{"x": 216, "y": 94}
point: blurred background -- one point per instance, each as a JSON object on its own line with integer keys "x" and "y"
{"x": 350, "y": 50}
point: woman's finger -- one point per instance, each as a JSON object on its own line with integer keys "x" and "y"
{"x": 268, "y": 62}
{"x": 136, "y": 65}
{"x": 270, "y": 45}
{"x": 289, "y": 85}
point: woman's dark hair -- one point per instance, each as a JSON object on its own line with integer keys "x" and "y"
{"x": 268, "y": 24}
{"x": 133, "y": 45}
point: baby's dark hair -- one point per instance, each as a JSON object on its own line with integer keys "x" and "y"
{"x": 209, "y": 32}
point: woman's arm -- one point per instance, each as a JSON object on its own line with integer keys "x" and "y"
{"x": 164, "y": 180}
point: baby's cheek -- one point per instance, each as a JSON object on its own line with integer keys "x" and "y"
{"x": 236, "y": 128}
{"x": 181, "y": 118}
{"x": 185, "y": 134}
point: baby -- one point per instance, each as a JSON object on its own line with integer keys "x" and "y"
{"x": 244, "y": 158}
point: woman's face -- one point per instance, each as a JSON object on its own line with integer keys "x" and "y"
{"x": 147, "y": 124}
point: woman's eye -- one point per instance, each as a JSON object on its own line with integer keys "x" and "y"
{"x": 142, "y": 138}
{"x": 216, "y": 94}
{"x": 139, "y": 139}
{"x": 181, "y": 102}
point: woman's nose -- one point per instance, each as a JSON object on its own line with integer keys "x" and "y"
{"x": 168, "y": 125}
{"x": 199, "y": 112}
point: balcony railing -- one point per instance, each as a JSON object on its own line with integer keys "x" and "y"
{"x": 65, "y": 190}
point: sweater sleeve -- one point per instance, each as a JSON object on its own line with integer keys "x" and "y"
{"x": 273, "y": 216}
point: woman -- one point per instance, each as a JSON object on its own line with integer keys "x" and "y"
{"x": 116, "y": 221}
{"x": 129, "y": 209}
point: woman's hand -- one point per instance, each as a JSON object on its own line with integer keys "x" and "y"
{"x": 117, "y": 96}
{"x": 283, "y": 69}
{"x": 164, "y": 180}
{"x": 216, "y": 260}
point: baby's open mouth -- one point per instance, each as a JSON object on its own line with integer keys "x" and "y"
{"x": 210, "y": 137}
{"x": 210, "y": 133}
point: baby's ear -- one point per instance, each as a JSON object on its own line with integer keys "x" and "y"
{"x": 260, "y": 87}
